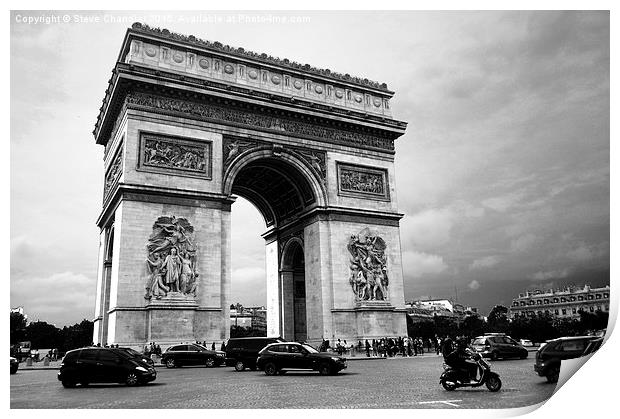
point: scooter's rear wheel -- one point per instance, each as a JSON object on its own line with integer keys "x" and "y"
{"x": 493, "y": 384}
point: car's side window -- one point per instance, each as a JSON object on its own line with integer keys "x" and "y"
{"x": 278, "y": 348}
{"x": 177, "y": 348}
{"x": 108, "y": 356}
{"x": 88, "y": 355}
{"x": 294, "y": 349}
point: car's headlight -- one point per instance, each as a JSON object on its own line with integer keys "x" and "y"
{"x": 142, "y": 369}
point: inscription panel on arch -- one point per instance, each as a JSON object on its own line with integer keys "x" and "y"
{"x": 362, "y": 181}
{"x": 174, "y": 155}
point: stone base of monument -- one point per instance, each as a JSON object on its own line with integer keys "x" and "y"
{"x": 369, "y": 320}
{"x": 173, "y": 300}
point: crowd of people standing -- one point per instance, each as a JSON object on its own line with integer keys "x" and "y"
{"x": 385, "y": 347}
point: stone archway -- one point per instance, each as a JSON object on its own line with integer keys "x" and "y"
{"x": 187, "y": 125}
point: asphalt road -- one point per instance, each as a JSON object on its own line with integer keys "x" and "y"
{"x": 391, "y": 383}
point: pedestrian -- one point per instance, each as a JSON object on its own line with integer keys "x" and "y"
{"x": 223, "y": 347}
{"x": 367, "y": 347}
{"x": 213, "y": 346}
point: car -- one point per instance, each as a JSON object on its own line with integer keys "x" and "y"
{"x": 103, "y": 365}
{"x": 135, "y": 354}
{"x": 498, "y": 346}
{"x": 278, "y": 357}
{"x": 14, "y": 365}
{"x": 550, "y": 356}
{"x": 242, "y": 353}
{"x": 191, "y": 354}
{"x": 526, "y": 342}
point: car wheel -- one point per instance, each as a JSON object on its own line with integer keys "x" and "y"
{"x": 270, "y": 369}
{"x": 553, "y": 375}
{"x": 239, "y": 366}
{"x": 170, "y": 363}
{"x": 210, "y": 363}
{"x": 325, "y": 369}
{"x": 132, "y": 379}
{"x": 524, "y": 355}
{"x": 68, "y": 384}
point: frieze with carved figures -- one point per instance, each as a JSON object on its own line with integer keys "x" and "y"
{"x": 174, "y": 154}
{"x": 114, "y": 173}
{"x": 362, "y": 181}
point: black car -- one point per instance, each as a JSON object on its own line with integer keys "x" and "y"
{"x": 191, "y": 354}
{"x": 292, "y": 355}
{"x": 496, "y": 346}
{"x": 135, "y": 354}
{"x": 550, "y": 356}
{"x": 241, "y": 353}
{"x": 14, "y": 365}
{"x": 103, "y": 365}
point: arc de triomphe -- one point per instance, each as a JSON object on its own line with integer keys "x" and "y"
{"x": 187, "y": 125}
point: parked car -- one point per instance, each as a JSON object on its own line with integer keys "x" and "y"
{"x": 191, "y": 354}
{"x": 277, "y": 357}
{"x": 14, "y": 365}
{"x": 550, "y": 356}
{"x": 242, "y": 353}
{"x": 526, "y": 342}
{"x": 103, "y": 365}
{"x": 135, "y": 354}
{"x": 498, "y": 346}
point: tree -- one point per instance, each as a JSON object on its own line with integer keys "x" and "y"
{"x": 498, "y": 319}
{"x": 472, "y": 326}
{"x": 43, "y": 335}
{"x": 17, "y": 328}
{"x": 77, "y": 336}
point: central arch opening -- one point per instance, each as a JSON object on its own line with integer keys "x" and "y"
{"x": 281, "y": 190}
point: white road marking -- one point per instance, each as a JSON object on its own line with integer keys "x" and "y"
{"x": 448, "y": 402}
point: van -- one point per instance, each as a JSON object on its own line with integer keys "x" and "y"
{"x": 241, "y": 353}
{"x": 103, "y": 365}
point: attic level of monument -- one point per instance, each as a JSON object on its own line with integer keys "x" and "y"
{"x": 152, "y": 58}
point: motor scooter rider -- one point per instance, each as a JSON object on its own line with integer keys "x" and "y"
{"x": 460, "y": 359}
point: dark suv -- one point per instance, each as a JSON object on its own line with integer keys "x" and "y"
{"x": 191, "y": 354}
{"x": 103, "y": 365}
{"x": 292, "y": 355}
{"x": 549, "y": 357}
{"x": 498, "y": 346}
{"x": 241, "y": 353}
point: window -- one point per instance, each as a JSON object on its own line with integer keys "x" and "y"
{"x": 108, "y": 356}
{"x": 572, "y": 298}
{"x": 572, "y": 345}
{"x": 279, "y": 348}
{"x": 522, "y": 303}
{"x": 88, "y": 355}
{"x": 556, "y": 312}
{"x": 598, "y": 308}
{"x": 555, "y": 300}
{"x": 546, "y": 301}
{"x": 287, "y": 81}
{"x": 308, "y": 85}
{"x": 348, "y": 95}
{"x": 591, "y": 309}
{"x": 531, "y": 302}
{"x": 574, "y": 311}
{"x": 590, "y": 297}
{"x": 71, "y": 356}
{"x": 539, "y": 302}
{"x": 598, "y": 296}
{"x": 564, "y": 312}
{"x": 580, "y": 298}
{"x": 606, "y": 307}
{"x": 605, "y": 295}
{"x": 294, "y": 349}
{"x": 178, "y": 348}
{"x": 563, "y": 299}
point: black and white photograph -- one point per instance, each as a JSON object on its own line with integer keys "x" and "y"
{"x": 310, "y": 209}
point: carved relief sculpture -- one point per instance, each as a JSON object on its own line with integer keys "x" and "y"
{"x": 161, "y": 152}
{"x": 368, "y": 270}
{"x": 361, "y": 181}
{"x": 114, "y": 173}
{"x": 171, "y": 261}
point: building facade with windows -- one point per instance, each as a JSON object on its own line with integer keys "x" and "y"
{"x": 566, "y": 302}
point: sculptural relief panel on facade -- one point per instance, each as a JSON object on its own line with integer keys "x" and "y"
{"x": 362, "y": 182}
{"x": 114, "y": 172}
{"x": 368, "y": 267}
{"x": 233, "y": 147}
{"x": 167, "y": 154}
{"x": 171, "y": 259}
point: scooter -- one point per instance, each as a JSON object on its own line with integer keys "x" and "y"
{"x": 452, "y": 378}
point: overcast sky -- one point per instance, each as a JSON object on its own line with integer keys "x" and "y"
{"x": 503, "y": 174}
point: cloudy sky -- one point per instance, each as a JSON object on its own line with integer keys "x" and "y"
{"x": 503, "y": 174}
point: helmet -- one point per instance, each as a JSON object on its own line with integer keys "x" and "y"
{"x": 461, "y": 343}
